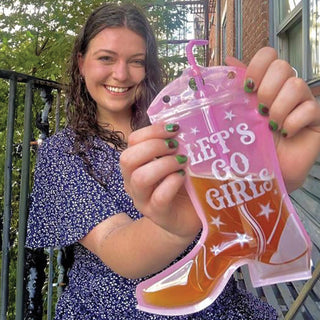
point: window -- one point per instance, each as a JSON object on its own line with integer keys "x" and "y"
{"x": 238, "y": 28}
{"x": 315, "y": 37}
{"x": 297, "y": 34}
{"x": 224, "y": 33}
{"x": 224, "y": 39}
{"x": 286, "y": 7}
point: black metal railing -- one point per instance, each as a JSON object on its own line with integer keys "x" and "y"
{"x": 33, "y": 269}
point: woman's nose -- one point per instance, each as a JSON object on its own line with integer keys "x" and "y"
{"x": 120, "y": 71}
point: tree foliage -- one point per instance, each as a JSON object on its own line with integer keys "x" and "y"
{"x": 36, "y": 38}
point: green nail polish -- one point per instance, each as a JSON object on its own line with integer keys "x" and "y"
{"x": 181, "y": 158}
{"x": 284, "y": 133}
{"x": 263, "y": 110}
{"x": 273, "y": 126}
{"x": 171, "y": 143}
{"x": 249, "y": 85}
{"x": 172, "y": 127}
{"x": 192, "y": 84}
{"x": 181, "y": 172}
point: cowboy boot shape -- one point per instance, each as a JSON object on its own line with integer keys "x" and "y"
{"x": 207, "y": 269}
{"x": 278, "y": 260}
{"x": 243, "y": 216}
{"x": 234, "y": 237}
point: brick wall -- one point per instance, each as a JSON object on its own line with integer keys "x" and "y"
{"x": 255, "y": 24}
{"x": 230, "y": 26}
{"x": 255, "y": 29}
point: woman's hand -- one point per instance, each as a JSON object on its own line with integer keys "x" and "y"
{"x": 294, "y": 113}
{"x": 154, "y": 176}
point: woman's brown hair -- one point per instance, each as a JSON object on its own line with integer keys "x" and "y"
{"x": 81, "y": 111}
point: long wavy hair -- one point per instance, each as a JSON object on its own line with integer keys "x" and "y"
{"x": 81, "y": 111}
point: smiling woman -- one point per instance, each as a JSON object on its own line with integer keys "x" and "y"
{"x": 110, "y": 186}
{"x": 112, "y": 73}
{"x": 132, "y": 77}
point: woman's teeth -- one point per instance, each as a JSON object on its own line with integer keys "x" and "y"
{"x": 117, "y": 89}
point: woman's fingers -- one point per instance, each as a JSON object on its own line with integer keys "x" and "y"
{"x": 292, "y": 111}
{"x": 286, "y": 99}
{"x": 258, "y": 67}
{"x": 147, "y": 144}
{"x": 293, "y": 108}
{"x": 160, "y": 176}
{"x": 306, "y": 115}
{"x": 278, "y": 74}
{"x": 152, "y": 171}
{"x": 158, "y": 130}
{"x": 232, "y": 61}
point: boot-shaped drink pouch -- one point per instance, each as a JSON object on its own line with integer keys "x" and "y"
{"x": 236, "y": 187}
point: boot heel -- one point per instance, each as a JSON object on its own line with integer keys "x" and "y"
{"x": 262, "y": 274}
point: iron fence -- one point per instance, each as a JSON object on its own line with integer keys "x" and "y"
{"x": 26, "y": 273}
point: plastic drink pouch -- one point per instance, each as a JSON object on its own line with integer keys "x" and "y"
{"x": 236, "y": 187}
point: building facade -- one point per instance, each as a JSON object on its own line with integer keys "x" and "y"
{"x": 241, "y": 27}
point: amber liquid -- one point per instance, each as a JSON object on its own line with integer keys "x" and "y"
{"x": 223, "y": 245}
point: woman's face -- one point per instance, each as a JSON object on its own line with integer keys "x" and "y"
{"x": 112, "y": 68}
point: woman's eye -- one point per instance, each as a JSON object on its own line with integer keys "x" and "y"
{"x": 140, "y": 63}
{"x": 105, "y": 58}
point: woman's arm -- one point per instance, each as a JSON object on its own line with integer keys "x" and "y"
{"x": 139, "y": 248}
{"x": 150, "y": 170}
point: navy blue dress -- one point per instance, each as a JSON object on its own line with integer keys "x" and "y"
{"x": 67, "y": 202}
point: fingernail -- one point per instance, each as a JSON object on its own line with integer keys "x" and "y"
{"x": 263, "y": 110}
{"x": 284, "y": 133}
{"x": 181, "y": 158}
{"x": 192, "y": 84}
{"x": 249, "y": 85}
{"x": 171, "y": 143}
{"x": 172, "y": 127}
{"x": 273, "y": 126}
{"x": 181, "y": 172}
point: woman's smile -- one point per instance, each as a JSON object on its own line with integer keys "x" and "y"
{"x": 117, "y": 90}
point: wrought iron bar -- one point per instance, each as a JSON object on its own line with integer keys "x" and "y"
{"x": 50, "y": 282}
{"x": 57, "y": 113}
{"x": 7, "y": 200}
{"x": 61, "y": 272}
{"x": 35, "y": 264}
{"x": 47, "y": 98}
{"x": 37, "y": 82}
{"x": 23, "y": 203}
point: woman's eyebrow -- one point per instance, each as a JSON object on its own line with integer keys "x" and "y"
{"x": 104, "y": 51}
{"x": 115, "y": 53}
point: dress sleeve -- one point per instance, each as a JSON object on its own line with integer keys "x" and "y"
{"x": 66, "y": 202}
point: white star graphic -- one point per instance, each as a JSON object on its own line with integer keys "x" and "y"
{"x": 194, "y": 130}
{"x": 246, "y": 101}
{"x": 229, "y": 115}
{"x": 181, "y": 136}
{"x": 216, "y": 221}
{"x": 215, "y": 250}
{"x": 242, "y": 238}
{"x": 265, "y": 210}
